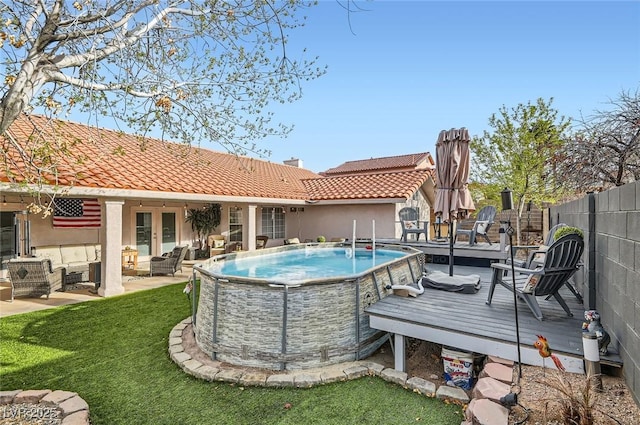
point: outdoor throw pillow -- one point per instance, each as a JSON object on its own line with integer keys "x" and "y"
{"x": 218, "y": 243}
{"x": 530, "y": 284}
{"x": 482, "y": 227}
{"x": 412, "y": 224}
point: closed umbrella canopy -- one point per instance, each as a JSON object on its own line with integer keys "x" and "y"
{"x": 453, "y": 199}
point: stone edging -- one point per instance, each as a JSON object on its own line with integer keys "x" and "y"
{"x": 73, "y": 410}
{"x": 303, "y": 378}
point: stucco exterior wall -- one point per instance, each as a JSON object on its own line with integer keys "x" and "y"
{"x": 336, "y": 221}
{"x": 610, "y": 278}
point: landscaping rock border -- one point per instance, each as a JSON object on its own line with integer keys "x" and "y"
{"x": 218, "y": 371}
{"x": 44, "y": 407}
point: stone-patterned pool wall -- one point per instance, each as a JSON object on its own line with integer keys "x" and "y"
{"x": 249, "y": 322}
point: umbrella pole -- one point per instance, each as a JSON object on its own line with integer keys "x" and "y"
{"x": 451, "y": 233}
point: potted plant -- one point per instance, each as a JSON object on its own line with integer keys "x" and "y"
{"x": 203, "y": 222}
{"x": 567, "y": 230}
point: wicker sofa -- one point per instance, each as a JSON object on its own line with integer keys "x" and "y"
{"x": 34, "y": 277}
{"x": 74, "y": 258}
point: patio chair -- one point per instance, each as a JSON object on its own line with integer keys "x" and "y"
{"x": 543, "y": 279}
{"x": 484, "y": 221}
{"x": 261, "y": 241}
{"x": 34, "y": 277}
{"x": 231, "y": 247}
{"x": 216, "y": 244}
{"x": 169, "y": 263}
{"x": 535, "y": 256}
{"x": 410, "y": 223}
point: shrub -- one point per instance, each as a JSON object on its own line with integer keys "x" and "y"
{"x": 321, "y": 239}
{"x": 567, "y": 230}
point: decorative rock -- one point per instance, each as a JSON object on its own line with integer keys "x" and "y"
{"x": 72, "y": 405}
{"x": 78, "y": 418}
{"x": 306, "y": 380}
{"x": 253, "y": 379}
{"x": 332, "y": 374}
{"x": 180, "y": 326}
{"x": 57, "y": 397}
{"x": 208, "y": 373}
{"x": 180, "y": 357}
{"x": 7, "y": 397}
{"x": 374, "y": 368}
{"x": 30, "y": 396}
{"x": 494, "y": 359}
{"x": 490, "y": 388}
{"x": 487, "y": 412}
{"x": 456, "y": 393}
{"x": 422, "y": 386}
{"x": 173, "y": 349}
{"x": 394, "y": 376}
{"x": 356, "y": 371}
{"x": 497, "y": 371}
{"x": 229, "y": 375}
{"x": 280, "y": 381}
{"x": 191, "y": 365}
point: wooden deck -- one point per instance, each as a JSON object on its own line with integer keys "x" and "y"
{"x": 464, "y": 321}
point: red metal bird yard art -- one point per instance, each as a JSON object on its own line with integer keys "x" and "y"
{"x": 545, "y": 351}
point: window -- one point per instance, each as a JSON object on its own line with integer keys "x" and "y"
{"x": 235, "y": 224}
{"x": 273, "y": 222}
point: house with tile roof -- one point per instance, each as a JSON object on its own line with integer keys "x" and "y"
{"x": 146, "y": 186}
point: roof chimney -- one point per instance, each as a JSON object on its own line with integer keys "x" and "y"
{"x": 294, "y": 162}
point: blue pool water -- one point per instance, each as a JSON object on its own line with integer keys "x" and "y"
{"x": 305, "y": 264}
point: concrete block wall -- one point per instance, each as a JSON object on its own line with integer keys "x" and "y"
{"x": 613, "y": 265}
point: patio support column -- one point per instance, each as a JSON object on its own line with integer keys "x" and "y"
{"x": 251, "y": 234}
{"x": 111, "y": 236}
{"x": 399, "y": 356}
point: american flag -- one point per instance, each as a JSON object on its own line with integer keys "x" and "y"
{"x": 72, "y": 213}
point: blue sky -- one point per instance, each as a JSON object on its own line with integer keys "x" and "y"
{"x": 405, "y": 70}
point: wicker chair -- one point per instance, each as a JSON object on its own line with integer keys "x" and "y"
{"x": 261, "y": 241}
{"x": 168, "y": 264}
{"x": 34, "y": 277}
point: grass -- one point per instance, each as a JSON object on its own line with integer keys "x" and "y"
{"x": 113, "y": 353}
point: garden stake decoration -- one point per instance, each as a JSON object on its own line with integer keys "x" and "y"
{"x": 545, "y": 351}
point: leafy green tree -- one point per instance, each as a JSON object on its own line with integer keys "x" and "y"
{"x": 520, "y": 154}
{"x": 188, "y": 70}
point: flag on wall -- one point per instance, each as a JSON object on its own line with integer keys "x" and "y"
{"x": 76, "y": 213}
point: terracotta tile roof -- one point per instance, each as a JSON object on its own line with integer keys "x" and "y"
{"x": 102, "y": 158}
{"x": 402, "y": 184}
{"x": 395, "y": 163}
{"x": 113, "y": 159}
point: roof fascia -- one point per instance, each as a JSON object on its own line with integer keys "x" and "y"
{"x": 146, "y": 195}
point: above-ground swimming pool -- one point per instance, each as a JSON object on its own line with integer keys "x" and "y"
{"x": 267, "y": 309}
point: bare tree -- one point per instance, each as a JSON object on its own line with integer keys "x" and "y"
{"x": 188, "y": 70}
{"x": 604, "y": 151}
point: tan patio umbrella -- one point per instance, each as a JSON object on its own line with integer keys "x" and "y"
{"x": 453, "y": 199}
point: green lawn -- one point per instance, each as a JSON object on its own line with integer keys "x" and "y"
{"x": 113, "y": 353}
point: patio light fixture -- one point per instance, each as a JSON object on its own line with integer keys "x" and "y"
{"x": 507, "y": 204}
